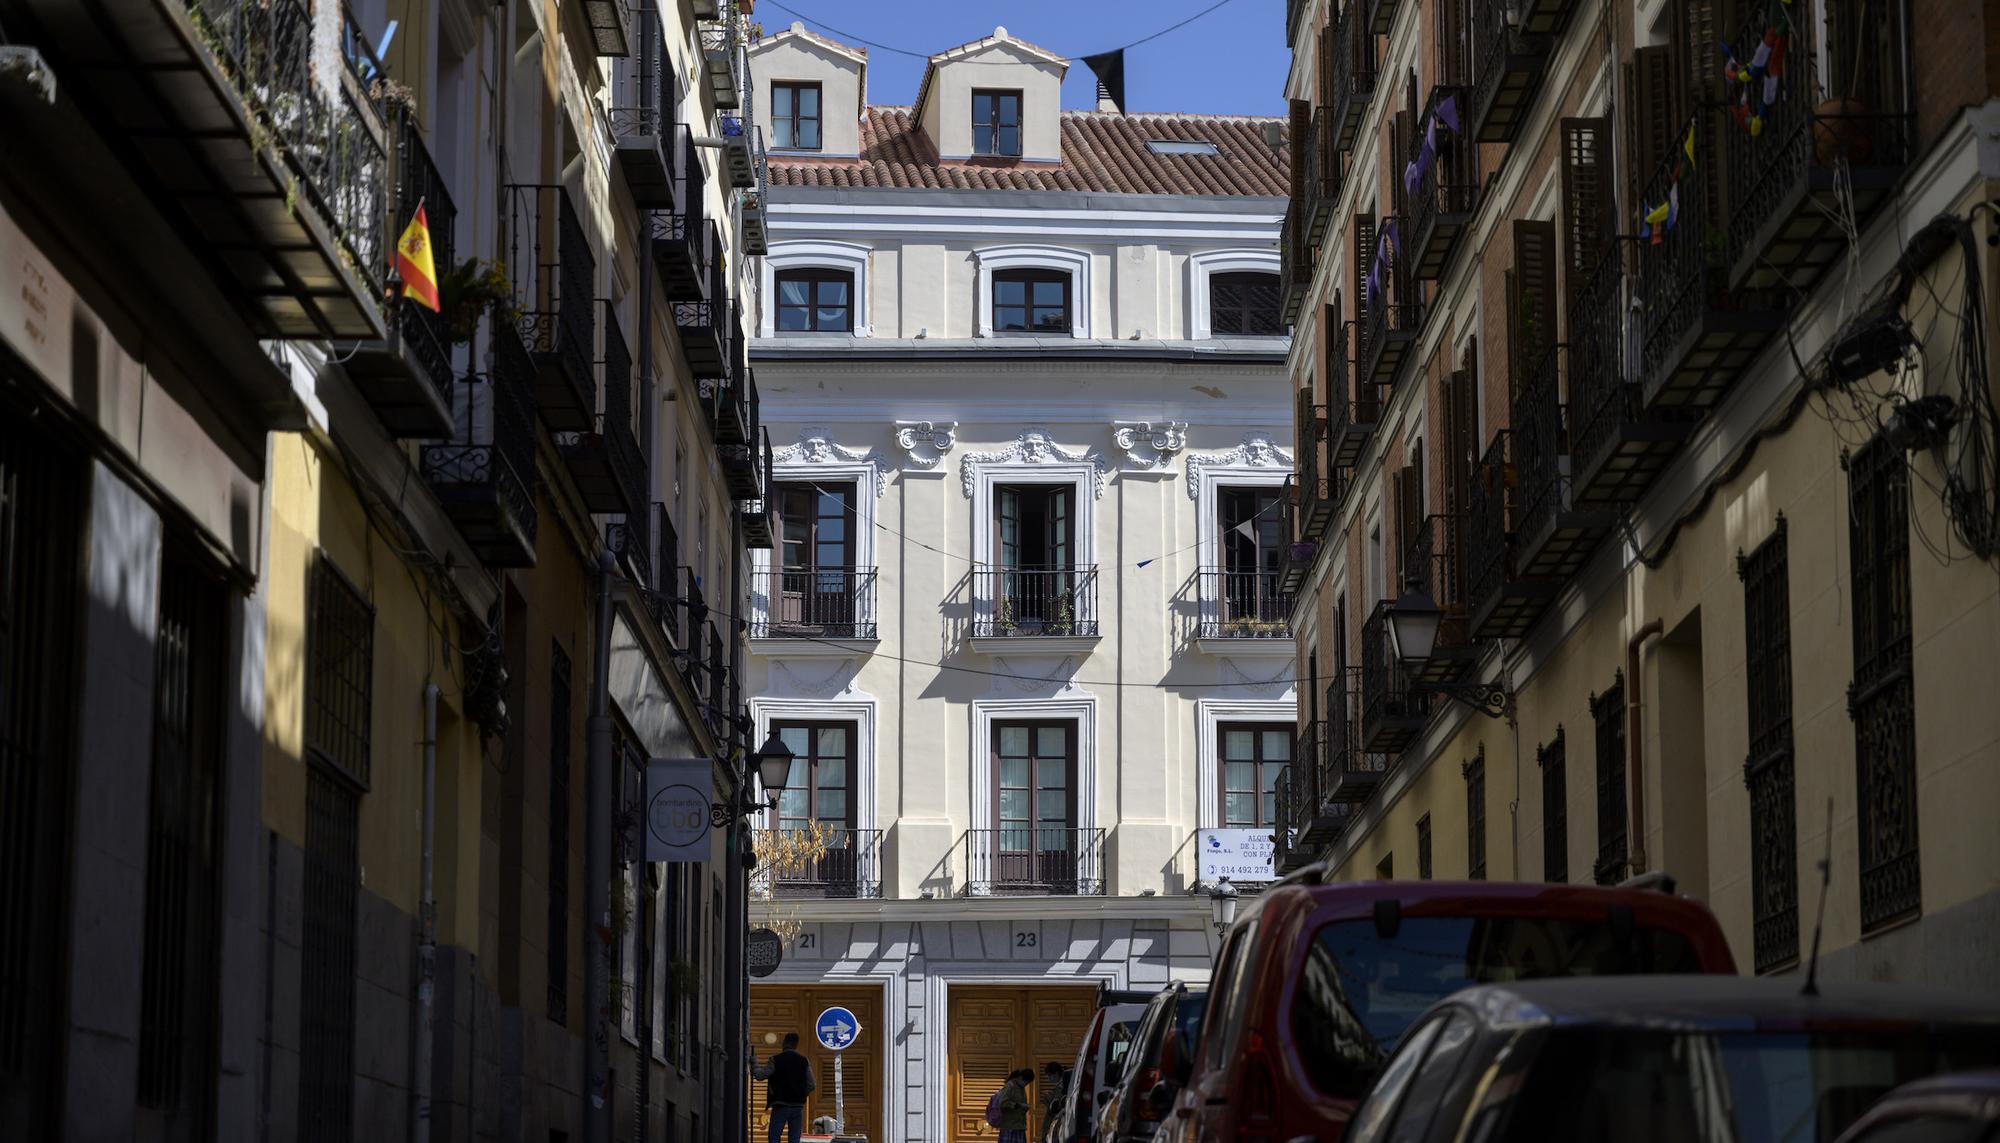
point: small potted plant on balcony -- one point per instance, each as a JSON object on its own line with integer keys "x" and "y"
{"x": 471, "y": 290}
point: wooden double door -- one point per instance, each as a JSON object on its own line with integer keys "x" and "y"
{"x": 776, "y": 1009}
{"x": 995, "y": 1029}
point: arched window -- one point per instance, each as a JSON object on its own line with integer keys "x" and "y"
{"x": 1031, "y": 300}
{"x": 1243, "y": 303}
{"x": 815, "y": 299}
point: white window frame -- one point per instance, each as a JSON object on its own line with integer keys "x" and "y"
{"x": 1075, "y": 263}
{"x": 815, "y": 459}
{"x": 1080, "y": 710}
{"x": 811, "y": 254}
{"x": 1204, "y": 265}
{"x": 1209, "y": 715}
{"x": 1034, "y": 459}
{"x": 1207, "y": 477}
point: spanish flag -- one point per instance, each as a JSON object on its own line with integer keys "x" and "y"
{"x": 413, "y": 261}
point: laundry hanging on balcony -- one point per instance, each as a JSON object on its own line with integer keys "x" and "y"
{"x": 1757, "y": 82}
{"x": 1416, "y": 168}
{"x": 1385, "y": 244}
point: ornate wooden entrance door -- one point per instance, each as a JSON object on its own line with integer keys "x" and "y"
{"x": 996, "y": 1029}
{"x": 776, "y": 1009}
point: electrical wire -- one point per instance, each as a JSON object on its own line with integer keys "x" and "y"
{"x": 851, "y": 37}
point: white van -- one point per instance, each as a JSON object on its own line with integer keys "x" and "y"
{"x": 1099, "y": 1063}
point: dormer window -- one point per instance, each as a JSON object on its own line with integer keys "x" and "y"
{"x": 1031, "y": 301}
{"x": 1244, "y": 304}
{"x": 795, "y": 116}
{"x": 996, "y": 122}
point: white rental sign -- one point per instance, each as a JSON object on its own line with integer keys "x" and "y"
{"x": 1238, "y": 854}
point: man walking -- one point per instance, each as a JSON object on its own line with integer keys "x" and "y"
{"x": 788, "y": 1081}
{"x": 1054, "y": 1088}
{"x": 1014, "y": 1106}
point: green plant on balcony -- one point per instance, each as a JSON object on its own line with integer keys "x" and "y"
{"x": 471, "y": 290}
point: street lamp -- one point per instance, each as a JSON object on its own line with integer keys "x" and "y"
{"x": 1223, "y": 899}
{"x": 1413, "y": 630}
{"x": 774, "y": 767}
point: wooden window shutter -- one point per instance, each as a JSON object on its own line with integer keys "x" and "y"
{"x": 1328, "y": 47}
{"x": 1586, "y": 192}
{"x": 1654, "y": 117}
{"x": 1364, "y": 253}
{"x": 1534, "y": 327}
{"x": 1332, "y": 387}
{"x": 1398, "y": 198}
{"x": 1301, "y": 113}
{"x": 1418, "y": 501}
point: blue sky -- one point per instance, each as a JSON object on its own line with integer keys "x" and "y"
{"x": 1231, "y": 61}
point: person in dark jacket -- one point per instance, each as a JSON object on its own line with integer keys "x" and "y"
{"x": 1014, "y": 1106}
{"x": 788, "y": 1081}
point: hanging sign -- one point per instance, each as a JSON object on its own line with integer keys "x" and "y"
{"x": 764, "y": 953}
{"x": 680, "y": 795}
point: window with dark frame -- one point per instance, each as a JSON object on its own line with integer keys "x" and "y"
{"x": 1607, "y": 710}
{"x": 1251, "y": 527}
{"x": 559, "y": 788}
{"x": 1032, "y": 300}
{"x": 815, "y": 299}
{"x": 1882, "y": 697}
{"x": 1767, "y": 771}
{"x": 1424, "y": 848}
{"x": 1555, "y": 810}
{"x": 795, "y": 116}
{"x": 1244, "y": 304}
{"x": 331, "y": 890}
{"x": 996, "y": 122}
{"x": 816, "y": 589}
{"x": 1035, "y": 805}
{"x": 821, "y": 787}
{"x": 1475, "y": 816}
{"x": 1251, "y": 756}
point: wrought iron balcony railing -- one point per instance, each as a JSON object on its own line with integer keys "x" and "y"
{"x": 1508, "y": 66}
{"x": 812, "y": 603}
{"x": 1446, "y": 194}
{"x": 1434, "y": 563}
{"x": 847, "y": 866}
{"x": 1243, "y": 605}
{"x": 1350, "y": 770}
{"x": 1033, "y": 859}
{"x": 1321, "y": 181}
{"x": 1390, "y": 327}
{"x": 1393, "y": 713}
{"x": 641, "y": 115}
{"x": 406, "y": 377}
{"x": 1313, "y": 470}
{"x": 1488, "y": 542}
{"x": 685, "y": 241}
{"x": 605, "y": 461}
{"x": 722, "y": 62}
{"x": 1299, "y": 552}
{"x": 1786, "y": 182}
{"x": 550, "y": 257}
{"x": 1354, "y": 70}
{"x": 1026, "y": 602}
{"x": 754, "y": 230}
{"x": 484, "y": 473}
{"x": 709, "y": 326}
{"x": 1295, "y": 262}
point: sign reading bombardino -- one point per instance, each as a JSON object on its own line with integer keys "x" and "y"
{"x": 680, "y": 793}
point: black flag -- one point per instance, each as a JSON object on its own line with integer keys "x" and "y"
{"x": 1110, "y": 70}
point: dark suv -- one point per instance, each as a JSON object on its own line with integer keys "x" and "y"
{"x": 1316, "y": 984}
{"x": 1156, "y": 1067}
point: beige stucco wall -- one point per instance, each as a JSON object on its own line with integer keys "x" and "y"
{"x": 787, "y": 58}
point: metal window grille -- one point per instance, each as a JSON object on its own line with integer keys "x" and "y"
{"x": 1424, "y": 848}
{"x": 1767, "y": 771}
{"x": 1882, "y": 699}
{"x": 340, "y": 671}
{"x": 1475, "y": 816}
{"x": 1608, "y": 711}
{"x": 326, "y": 977}
{"x": 559, "y": 720}
{"x": 1555, "y": 809}
{"x": 40, "y": 507}
{"x": 178, "y": 982}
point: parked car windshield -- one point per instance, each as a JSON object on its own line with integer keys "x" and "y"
{"x": 1360, "y": 991}
{"x": 1641, "y": 1085}
{"x": 1118, "y": 1043}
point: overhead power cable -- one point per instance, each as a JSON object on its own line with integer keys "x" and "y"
{"x": 851, "y": 37}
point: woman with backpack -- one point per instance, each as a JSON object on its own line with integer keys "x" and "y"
{"x": 1008, "y": 1109}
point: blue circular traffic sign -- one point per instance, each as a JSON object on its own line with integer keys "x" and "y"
{"x": 837, "y": 1029}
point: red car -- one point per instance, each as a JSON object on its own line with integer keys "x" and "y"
{"x": 1316, "y": 984}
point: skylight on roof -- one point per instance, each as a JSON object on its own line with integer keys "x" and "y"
{"x": 1180, "y": 147}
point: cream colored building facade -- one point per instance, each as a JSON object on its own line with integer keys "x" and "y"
{"x": 990, "y": 629}
{"x": 1660, "y": 482}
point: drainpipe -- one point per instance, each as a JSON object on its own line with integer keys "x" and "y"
{"x": 736, "y": 908}
{"x": 597, "y": 877}
{"x": 427, "y": 926}
{"x": 1635, "y": 746}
